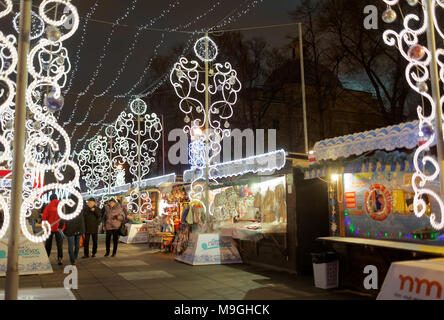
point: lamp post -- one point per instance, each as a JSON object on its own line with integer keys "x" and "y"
{"x": 12, "y": 273}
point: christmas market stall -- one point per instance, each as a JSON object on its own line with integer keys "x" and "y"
{"x": 163, "y": 226}
{"x": 371, "y": 198}
{"x": 254, "y": 204}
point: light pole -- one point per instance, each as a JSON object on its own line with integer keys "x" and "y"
{"x": 12, "y": 272}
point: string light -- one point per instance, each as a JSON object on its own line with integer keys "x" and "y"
{"x": 419, "y": 59}
{"x": 79, "y": 47}
{"x": 99, "y": 63}
{"x": 123, "y": 65}
{"x": 230, "y": 19}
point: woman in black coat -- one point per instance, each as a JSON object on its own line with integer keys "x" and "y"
{"x": 93, "y": 216}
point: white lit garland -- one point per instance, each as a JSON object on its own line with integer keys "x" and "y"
{"x": 48, "y": 65}
{"x": 189, "y": 86}
{"x": 8, "y": 63}
{"x": 417, "y": 74}
{"x": 138, "y": 155}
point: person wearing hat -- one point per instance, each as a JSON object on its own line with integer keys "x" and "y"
{"x": 113, "y": 219}
{"x": 92, "y": 216}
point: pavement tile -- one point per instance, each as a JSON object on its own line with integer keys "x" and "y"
{"x": 124, "y": 263}
{"x": 155, "y": 274}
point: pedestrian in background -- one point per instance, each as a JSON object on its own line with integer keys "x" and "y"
{"x": 92, "y": 215}
{"x": 50, "y": 214}
{"x": 113, "y": 219}
{"x": 74, "y": 229}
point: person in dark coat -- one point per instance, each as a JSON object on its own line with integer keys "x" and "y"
{"x": 74, "y": 229}
{"x": 113, "y": 219}
{"x": 92, "y": 215}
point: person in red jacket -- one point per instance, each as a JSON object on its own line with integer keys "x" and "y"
{"x": 51, "y": 215}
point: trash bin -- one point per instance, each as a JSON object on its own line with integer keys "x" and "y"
{"x": 325, "y": 270}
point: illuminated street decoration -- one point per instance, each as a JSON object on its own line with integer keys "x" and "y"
{"x": 8, "y": 63}
{"x": 137, "y": 135}
{"x": 417, "y": 74}
{"x": 48, "y": 65}
{"x": 206, "y": 122}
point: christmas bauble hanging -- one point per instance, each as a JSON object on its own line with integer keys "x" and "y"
{"x": 422, "y": 87}
{"x": 219, "y": 88}
{"x": 52, "y": 102}
{"x": 60, "y": 61}
{"x": 53, "y": 33}
{"x": 193, "y": 84}
{"x": 416, "y": 52}
{"x": 226, "y": 124}
{"x": 232, "y": 80}
{"x": 389, "y": 15}
{"x": 9, "y": 125}
{"x": 187, "y": 119}
{"x": 412, "y": 2}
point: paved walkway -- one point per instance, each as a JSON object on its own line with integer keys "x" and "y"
{"x": 136, "y": 274}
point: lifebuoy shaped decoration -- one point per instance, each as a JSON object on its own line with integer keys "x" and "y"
{"x": 378, "y": 202}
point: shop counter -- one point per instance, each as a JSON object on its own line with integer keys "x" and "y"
{"x": 409, "y": 246}
{"x": 252, "y": 231}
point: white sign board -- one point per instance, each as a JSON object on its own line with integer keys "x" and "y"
{"x": 414, "y": 280}
{"x": 32, "y": 258}
{"x": 210, "y": 248}
{"x": 137, "y": 233}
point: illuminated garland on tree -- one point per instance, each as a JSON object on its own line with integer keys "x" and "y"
{"x": 417, "y": 74}
{"x": 223, "y": 87}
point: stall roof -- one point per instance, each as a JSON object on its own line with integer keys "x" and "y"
{"x": 403, "y": 135}
{"x": 265, "y": 163}
{"x": 155, "y": 181}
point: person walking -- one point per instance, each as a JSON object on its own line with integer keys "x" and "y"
{"x": 51, "y": 215}
{"x": 92, "y": 215}
{"x": 113, "y": 219}
{"x": 74, "y": 229}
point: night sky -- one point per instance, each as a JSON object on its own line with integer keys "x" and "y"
{"x": 96, "y": 34}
